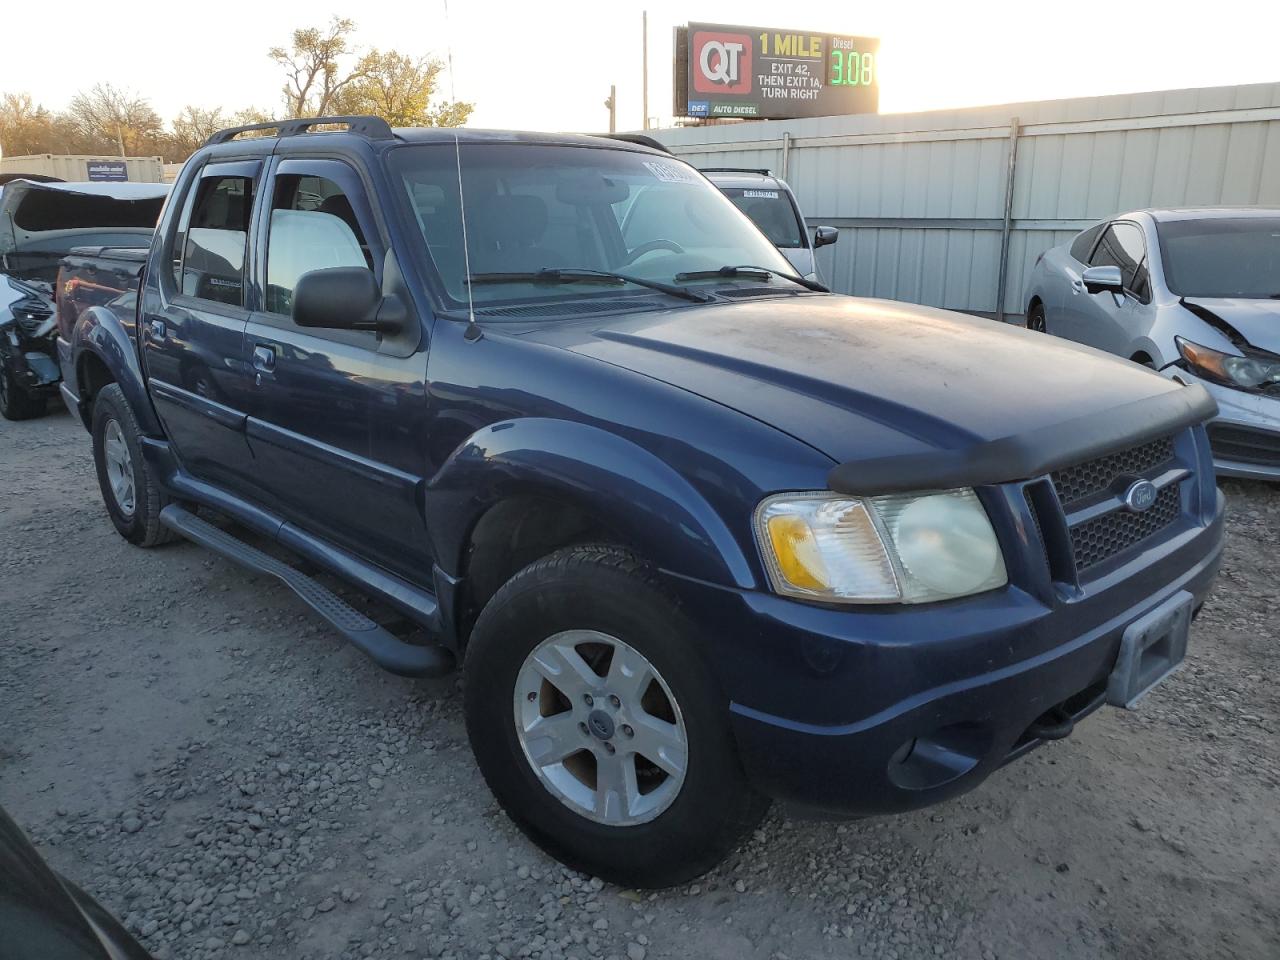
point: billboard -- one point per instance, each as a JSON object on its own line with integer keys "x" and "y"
{"x": 760, "y": 73}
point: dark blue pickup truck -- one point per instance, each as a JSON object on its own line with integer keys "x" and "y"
{"x": 700, "y": 533}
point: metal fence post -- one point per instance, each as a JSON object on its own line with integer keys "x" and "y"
{"x": 1008, "y": 219}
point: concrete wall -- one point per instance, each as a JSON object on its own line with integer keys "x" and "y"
{"x": 920, "y": 198}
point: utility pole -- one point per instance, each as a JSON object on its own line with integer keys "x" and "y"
{"x": 612, "y": 106}
{"x": 644, "y": 47}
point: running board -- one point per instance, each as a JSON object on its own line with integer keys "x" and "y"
{"x": 384, "y": 649}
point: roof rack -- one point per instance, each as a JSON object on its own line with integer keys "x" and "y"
{"x": 763, "y": 171}
{"x": 643, "y": 139}
{"x": 372, "y": 128}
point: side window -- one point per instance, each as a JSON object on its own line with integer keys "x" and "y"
{"x": 1122, "y": 246}
{"x": 213, "y": 254}
{"x": 313, "y": 226}
{"x": 1083, "y": 243}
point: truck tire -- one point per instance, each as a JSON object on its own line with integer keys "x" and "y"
{"x": 130, "y": 491}
{"x": 599, "y": 727}
{"x": 16, "y": 403}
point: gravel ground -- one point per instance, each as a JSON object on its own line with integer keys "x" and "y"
{"x": 195, "y": 747}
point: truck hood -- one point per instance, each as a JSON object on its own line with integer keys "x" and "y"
{"x": 864, "y": 380}
{"x": 1258, "y": 321}
{"x": 31, "y": 212}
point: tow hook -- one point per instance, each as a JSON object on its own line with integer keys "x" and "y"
{"x": 1053, "y": 724}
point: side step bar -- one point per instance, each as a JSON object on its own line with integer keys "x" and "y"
{"x": 387, "y": 651}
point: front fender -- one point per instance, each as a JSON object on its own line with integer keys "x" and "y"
{"x": 100, "y": 332}
{"x": 622, "y": 485}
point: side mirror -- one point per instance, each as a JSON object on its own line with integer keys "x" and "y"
{"x": 344, "y": 298}
{"x": 1103, "y": 279}
{"x": 825, "y": 236}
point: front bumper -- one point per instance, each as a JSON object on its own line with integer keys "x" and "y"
{"x": 32, "y": 363}
{"x": 890, "y": 709}
{"x": 1245, "y": 436}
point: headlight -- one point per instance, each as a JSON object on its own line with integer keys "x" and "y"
{"x": 890, "y": 549}
{"x": 1252, "y": 373}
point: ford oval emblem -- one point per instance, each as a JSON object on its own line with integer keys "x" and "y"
{"x": 1140, "y": 496}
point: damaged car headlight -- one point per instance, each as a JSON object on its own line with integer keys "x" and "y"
{"x": 1253, "y": 372}
{"x": 890, "y": 549}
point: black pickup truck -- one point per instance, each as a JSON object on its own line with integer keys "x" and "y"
{"x": 700, "y": 533}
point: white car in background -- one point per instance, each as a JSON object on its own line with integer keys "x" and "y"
{"x": 772, "y": 207}
{"x": 1192, "y": 293}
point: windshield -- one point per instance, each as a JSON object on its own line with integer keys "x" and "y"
{"x": 769, "y": 209}
{"x": 531, "y": 207}
{"x": 1222, "y": 258}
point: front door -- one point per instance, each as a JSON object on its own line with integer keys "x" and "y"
{"x": 338, "y": 417}
{"x": 195, "y": 306}
{"x": 1110, "y": 321}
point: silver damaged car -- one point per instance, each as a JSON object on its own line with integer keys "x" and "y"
{"x": 1192, "y": 293}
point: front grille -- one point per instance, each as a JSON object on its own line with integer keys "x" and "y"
{"x": 1086, "y": 480}
{"x": 1243, "y": 445}
{"x": 1103, "y": 537}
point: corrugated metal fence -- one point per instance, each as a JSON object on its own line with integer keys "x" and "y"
{"x": 930, "y": 204}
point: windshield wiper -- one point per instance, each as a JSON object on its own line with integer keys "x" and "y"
{"x": 587, "y": 275}
{"x": 752, "y": 272}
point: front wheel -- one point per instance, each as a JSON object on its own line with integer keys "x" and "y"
{"x": 16, "y": 402}
{"x": 599, "y": 727}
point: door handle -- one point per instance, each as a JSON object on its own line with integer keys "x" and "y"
{"x": 264, "y": 358}
{"x": 159, "y": 330}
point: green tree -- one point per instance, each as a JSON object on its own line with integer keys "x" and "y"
{"x": 314, "y": 78}
{"x": 25, "y": 126}
{"x": 325, "y": 75}
{"x": 399, "y": 88}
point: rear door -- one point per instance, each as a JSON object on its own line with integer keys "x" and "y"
{"x": 193, "y": 321}
{"x": 338, "y": 418}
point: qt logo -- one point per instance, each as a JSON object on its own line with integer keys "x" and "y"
{"x": 722, "y": 62}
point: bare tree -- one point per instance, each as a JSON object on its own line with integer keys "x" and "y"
{"x": 192, "y": 127}
{"x": 314, "y": 77}
{"x": 111, "y": 114}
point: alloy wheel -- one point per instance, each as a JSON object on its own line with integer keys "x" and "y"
{"x": 600, "y": 727}
{"x": 119, "y": 467}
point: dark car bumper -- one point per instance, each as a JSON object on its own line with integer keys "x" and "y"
{"x": 881, "y": 711}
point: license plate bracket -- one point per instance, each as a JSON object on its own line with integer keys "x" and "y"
{"x": 1151, "y": 648}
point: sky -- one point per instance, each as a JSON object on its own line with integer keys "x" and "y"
{"x": 548, "y": 66}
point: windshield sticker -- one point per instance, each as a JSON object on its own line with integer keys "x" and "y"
{"x": 764, "y": 194}
{"x": 671, "y": 172}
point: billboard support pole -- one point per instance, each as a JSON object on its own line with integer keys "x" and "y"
{"x": 786, "y": 154}
{"x": 644, "y": 56}
{"x": 1003, "y": 279}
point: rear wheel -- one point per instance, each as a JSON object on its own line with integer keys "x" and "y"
{"x": 599, "y": 727}
{"x": 17, "y": 403}
{"x": 130, "y": 490}
{"x": 1035, "y": 318}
